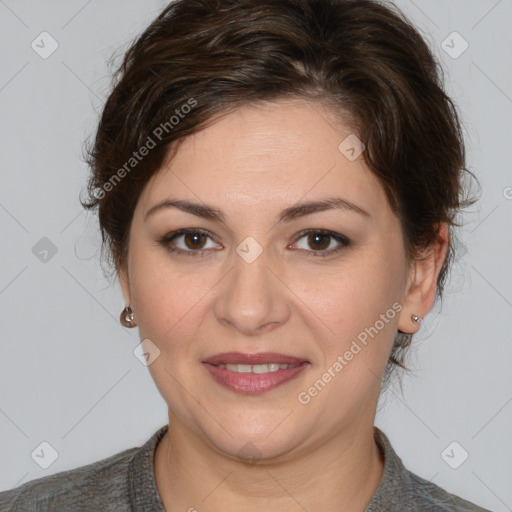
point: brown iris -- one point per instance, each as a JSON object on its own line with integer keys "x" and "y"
{"x": 313, "y": 238}
{"x": 194, "y": 237}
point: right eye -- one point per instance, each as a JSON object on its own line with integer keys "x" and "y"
{"x": 193, "y": 238}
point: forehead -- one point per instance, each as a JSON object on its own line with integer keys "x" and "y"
{"x": 268, "y": 155}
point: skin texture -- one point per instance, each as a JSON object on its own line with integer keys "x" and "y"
{"x": 251, "y": 164}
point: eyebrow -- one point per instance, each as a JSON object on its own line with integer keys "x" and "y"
{"x": 287, "y": 215}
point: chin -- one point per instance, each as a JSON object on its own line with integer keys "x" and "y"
{"x": 254, "y": 442}
{"x": 256, "y": 450}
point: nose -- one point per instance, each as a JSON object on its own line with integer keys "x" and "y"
{"x": 252, "y": 298}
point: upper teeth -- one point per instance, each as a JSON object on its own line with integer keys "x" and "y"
{"x": 256, "y": 368}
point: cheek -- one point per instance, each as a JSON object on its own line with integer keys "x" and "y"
{"x": 356, "y": 296}
{"x": 360, "y": 307}
{"x": 168, "y": 298}
{"x": 360, "y": 303}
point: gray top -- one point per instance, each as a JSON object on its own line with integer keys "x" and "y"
{"x": 125, "y": 482}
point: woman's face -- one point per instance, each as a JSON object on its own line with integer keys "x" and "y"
{"x": 256, "y": 283}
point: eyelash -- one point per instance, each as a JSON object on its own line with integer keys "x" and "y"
{"x": 167, "y": 239}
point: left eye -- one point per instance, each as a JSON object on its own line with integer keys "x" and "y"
{"x": 320, "y": 241}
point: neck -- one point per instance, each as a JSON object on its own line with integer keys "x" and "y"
{"x": 340, "y": 474}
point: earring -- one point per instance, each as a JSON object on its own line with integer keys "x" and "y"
{"x": 127, "y": 317}
{"x": 416, "y": 319}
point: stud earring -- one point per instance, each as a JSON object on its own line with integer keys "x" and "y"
{"x": 416, "y": 319}
{"x": 127, "y": 317}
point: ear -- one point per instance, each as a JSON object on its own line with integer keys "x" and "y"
{"x": 422, "y": 282}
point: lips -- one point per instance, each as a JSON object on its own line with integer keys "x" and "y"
{"x": 252, "y": 359}
{"x": 253, "y": 374}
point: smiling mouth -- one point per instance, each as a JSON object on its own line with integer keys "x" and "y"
{"x": 253, "y": 359}
{"x": 253, "y": 374}
{"x": 257, "y": 368}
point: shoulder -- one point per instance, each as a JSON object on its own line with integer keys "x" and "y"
{"x": 120, "y": 483}
{"x": 102, "y": 485}
{"x": 429, "y": 496}
{"x": 400, "y": 490}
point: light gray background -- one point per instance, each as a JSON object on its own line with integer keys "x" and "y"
{"x": 68, "y": 374}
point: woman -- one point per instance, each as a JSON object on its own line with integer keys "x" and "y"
{"x": 276, "y": 184}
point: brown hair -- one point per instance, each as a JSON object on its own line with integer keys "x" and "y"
{"x": 200, "y": 59}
